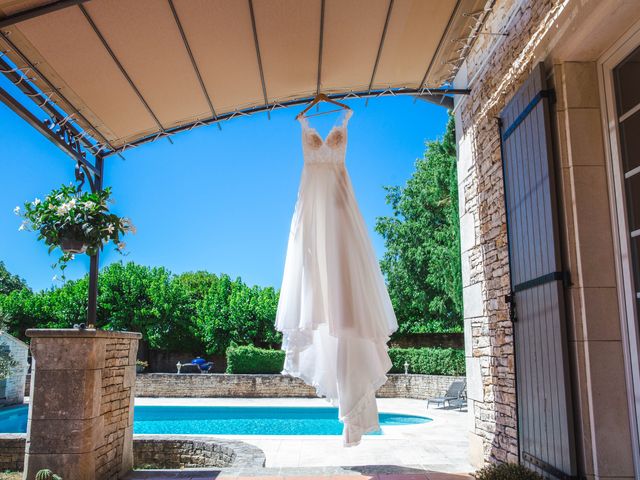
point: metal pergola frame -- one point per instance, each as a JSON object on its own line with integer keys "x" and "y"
{"x": 64, "y": 129}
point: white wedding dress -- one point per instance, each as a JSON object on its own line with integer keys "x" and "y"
{"x": 334, "y": 310}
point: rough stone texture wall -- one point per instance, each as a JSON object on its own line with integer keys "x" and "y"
{"x": 12, "y": 446}
{"x": 165, "y": 362}
{"x": 12, "y": 389}
{"x": 274, "y": 386}
{"x": 495, "y": 68}
{"x": 180, "y": 452}
{"x": 81, "y": 408}
{"x": 116, "y": 406}
{"x": 220, "y": 385}
{"x": 161, "y": 451}
{"x": 416, "y": 386}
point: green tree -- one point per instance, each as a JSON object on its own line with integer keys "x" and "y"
{"x": 232, "y": 312}
{"x": 422, "y": 260}
{"x": 9, "y": 282}
{"x": 147, "y": 300}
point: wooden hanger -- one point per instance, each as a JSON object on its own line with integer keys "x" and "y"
{"x": 321, "y": 97}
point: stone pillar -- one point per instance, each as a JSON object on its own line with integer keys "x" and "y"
{"x": 81, "y": 409}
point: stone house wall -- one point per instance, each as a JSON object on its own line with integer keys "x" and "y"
{"x": 12, "y": 389}
{"x": 568, "y": 36}
{"x": 276, "y": 386}
{"x": 81, "y": 408}
{"x": 488, "y": 329}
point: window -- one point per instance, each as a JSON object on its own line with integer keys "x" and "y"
{"x": 626, "y": 78}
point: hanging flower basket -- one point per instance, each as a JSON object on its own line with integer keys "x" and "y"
{"x": 72, "y": 245}
{"x": 75, "y": 221}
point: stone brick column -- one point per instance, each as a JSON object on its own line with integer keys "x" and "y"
{"x": 81, "y": 409}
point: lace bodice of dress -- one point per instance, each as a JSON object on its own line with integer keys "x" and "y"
{"x": 331, "y": 149}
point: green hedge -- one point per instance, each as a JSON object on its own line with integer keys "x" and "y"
{"x": 428, "y": 361}
{"x": 250, "y": 359}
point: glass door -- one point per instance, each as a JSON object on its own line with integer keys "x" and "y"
{"x": 626, "y": 83}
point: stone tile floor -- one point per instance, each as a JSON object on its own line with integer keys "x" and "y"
{"x": 432, "y": 451}
{"x": 326, "y": 473}
{"x": 437, "y": 446}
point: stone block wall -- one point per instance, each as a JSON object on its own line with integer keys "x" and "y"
{"x": 158, "y": 451}
{"x": 220, "y": 385}
{"x": 12, "y": 447}
{"x": 81, "y": 408}
{"x": 276, "y": 386}
{"x": 116, "y": 407}
{"x": 494, "y": 69}
{"x": 155, "y": 451}
{"x": 12, "y": 389}
{"x": 416, "y": 386}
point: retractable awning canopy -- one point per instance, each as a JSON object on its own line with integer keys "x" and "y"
{"x": 130, "y": 71}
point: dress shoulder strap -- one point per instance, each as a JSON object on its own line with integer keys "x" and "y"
{"x": 346, "y": 118}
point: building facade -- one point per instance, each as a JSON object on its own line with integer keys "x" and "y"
{"x": 12, "y": 388}
{"x": 552, "y": 357}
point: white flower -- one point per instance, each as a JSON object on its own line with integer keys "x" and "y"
{"x": 52, "y": 206}
{"x": 72, "y": 257}
{"x": 36, "y": 202}
{"x": 16, "y": 210}
{"x": 89, "y": 204}
{"x": 72, "y": 203}
{"x": 22, "y": 227}
{"x": 133, "y": 229}
{"x": 63, "y": 209}
{"x": 122, "y": 246}
{"x": 110, "y": 228}
{"x": 55, "y": 278}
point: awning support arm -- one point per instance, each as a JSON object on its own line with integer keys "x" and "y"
{"x": 61, "y": 136}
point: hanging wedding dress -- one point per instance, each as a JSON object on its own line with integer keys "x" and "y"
{"x": 334, "y": 310}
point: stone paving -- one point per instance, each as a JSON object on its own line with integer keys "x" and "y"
{"x": 325, "y": 473}
{"x": 437, "y": 446}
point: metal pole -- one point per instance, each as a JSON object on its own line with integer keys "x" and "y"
{"x": 92, "y": 308}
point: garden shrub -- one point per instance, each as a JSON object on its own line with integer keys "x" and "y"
{"x": 250, "y": 359}
{"x": 506, "y": 471}
{"x": 428, "y": 361}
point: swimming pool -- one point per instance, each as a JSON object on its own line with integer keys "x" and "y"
{"x": 226, "y": 420}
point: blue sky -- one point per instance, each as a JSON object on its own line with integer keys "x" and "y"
{"x": 215, "y": 200}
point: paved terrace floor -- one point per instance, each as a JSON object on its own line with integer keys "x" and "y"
{"x": 415, "y": 452}
{"x": 291, "y": 474}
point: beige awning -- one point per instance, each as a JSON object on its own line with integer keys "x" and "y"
{"x": 134, "y": 69}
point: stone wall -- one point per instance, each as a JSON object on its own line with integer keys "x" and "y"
{"x": 416, "y": 386}
{"x": 116, "y": 406}
{"x": 81, "y": 408}
{"x": 12, "y": 389}
{"x": 494, "y": 69}
{"x": 161, "y": 361}
{"x": 153, "y": 451}
{"x": 157, "y": 451}
{"x": 419, "y": 340}
{"x": 274, "y": 386}
{"x": 12, "y": 447}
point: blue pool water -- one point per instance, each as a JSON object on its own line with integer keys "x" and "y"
{"x": 226, "y": 420}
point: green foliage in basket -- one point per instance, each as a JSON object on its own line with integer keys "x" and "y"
{"x": 68, "y": 213}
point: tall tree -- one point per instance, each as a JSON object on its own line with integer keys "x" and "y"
{"x": 9, "y": 282}
{"x": 422, "y": 261}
